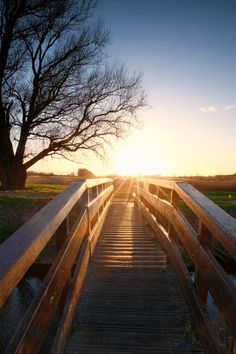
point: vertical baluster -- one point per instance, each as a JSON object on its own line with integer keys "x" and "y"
{"x": 61, "y": 234}
{"x": 174, "y": 201}
{"x": 205, "y": 238}
{"x": 160, "y": 193}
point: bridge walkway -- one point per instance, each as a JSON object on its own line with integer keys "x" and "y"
{"x": 131, "y": 301}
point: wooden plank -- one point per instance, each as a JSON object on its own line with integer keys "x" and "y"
{"x": 211, "y": 273}
{"x": 130, "y": 309}
{"x": 95, "y": 205}
{"x": 219, "y": 284}
{"x": 73, "y": 295}
{"x": 93, "y": 237}
{"x": 161, "y": 206}
{"x": 71, "y": 300}
{"x": 221, "y": 224}
{"x": 158, "y": 182}
{"x": 97, "y": 181}
{"x": 205, "y": 238}
{"x": 209, "y": 338}
{"x": 216, "y": 279}
{"x": 21, "y": 249}
{"x": 31, "y": 332}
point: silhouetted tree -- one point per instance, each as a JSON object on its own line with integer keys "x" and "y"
{"x": 57, "y": 92}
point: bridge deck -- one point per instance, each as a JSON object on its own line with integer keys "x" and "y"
{"x": 131, "y": 301}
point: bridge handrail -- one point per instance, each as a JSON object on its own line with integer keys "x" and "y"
{"x": 221, "y": 224}
{"x": 22, "y": 248}
{"x": 162, "y": 208}
{"x": 74, "y": 216}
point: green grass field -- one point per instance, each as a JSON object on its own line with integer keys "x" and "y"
{"x": 16, "y": 207}
{"x": 39, "y": 189}
{"x": 225, "y": 200}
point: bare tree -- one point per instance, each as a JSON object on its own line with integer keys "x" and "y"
{"x": 58, "y": 95}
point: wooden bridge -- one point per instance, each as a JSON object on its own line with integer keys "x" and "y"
{"x": 118, "y": 282}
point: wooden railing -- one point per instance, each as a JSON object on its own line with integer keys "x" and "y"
{"x": 163, "y": 204}
{"x": 73, "y": 221}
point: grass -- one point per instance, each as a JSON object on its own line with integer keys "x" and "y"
{"x": 18, "y": 206}
{"x": 215, "y": 196}
{"x": 45, "y": 188}
{"x": 40, "y": 189}
{"x": 11, "y": 201}
{"x": 14, "y": 212}
{"x": 226, "y": 201}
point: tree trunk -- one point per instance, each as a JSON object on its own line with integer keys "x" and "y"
{"x": 13, "y": 177}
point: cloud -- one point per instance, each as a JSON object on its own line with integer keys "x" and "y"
{"x": 208, "y": 109}
{"x": 228, "y": 108}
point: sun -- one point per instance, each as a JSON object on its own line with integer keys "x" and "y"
{"x": 138, "y": 160}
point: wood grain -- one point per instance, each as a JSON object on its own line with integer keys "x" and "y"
{"x": 22, "y": 248}
{"x": 31, "y": 332}
{"x": 209, "y": 338}
{"x": 220, "y": 223}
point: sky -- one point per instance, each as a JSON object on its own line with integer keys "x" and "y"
{"x": 186, "y": 52}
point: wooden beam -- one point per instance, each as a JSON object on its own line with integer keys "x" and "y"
{"x": 158, "y": 182}
{"x": 32, "y": 330}
{"x": 22, "y": 248}
{"x": 205, "y": 239}
{"x": 219, "y": 284}
{"x": 209, "y": 338}
{"x": 220, "y": 223}
{"x": 98, "y": 181}
{"x": 63, "y": 329}
{"x": 74, "y": 292}
{"x": 94, "y": 206}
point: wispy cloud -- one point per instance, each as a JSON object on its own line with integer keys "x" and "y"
{"x": 208, "y": 109}
{"x": 228, "y": 108}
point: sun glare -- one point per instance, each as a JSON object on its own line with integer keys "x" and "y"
{"x": 136, "y": 160}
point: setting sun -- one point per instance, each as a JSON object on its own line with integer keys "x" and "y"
{"x": 138, "y": 159}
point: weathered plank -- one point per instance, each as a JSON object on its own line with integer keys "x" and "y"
{"x": 214, "y": 277}
{"x": 98, "y": 181}
{"x": 95, "y": 205}
{"x": 158, "y": 182}
{"x": 130, "y": 304}
{"x": 30, "y": 334}
{"x": 219, "y": 284}
{"x": 72, "y": 297}
{"x": 221, "y": 224}
{"x": 19, "y": 251}
{"x": 210, "y": 341}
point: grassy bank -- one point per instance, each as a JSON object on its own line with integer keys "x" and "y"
{"x": 18, "y": 206}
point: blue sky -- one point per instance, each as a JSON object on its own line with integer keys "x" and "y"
{"x": 186, "y": 51}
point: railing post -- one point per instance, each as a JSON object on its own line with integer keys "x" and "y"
{"x": 61, "y": 234}
{"x": 160, "y": 193}
{"x": 205, "y": 238}
{"x": 174, "y": 201}
{"x": 60, "y": 238}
